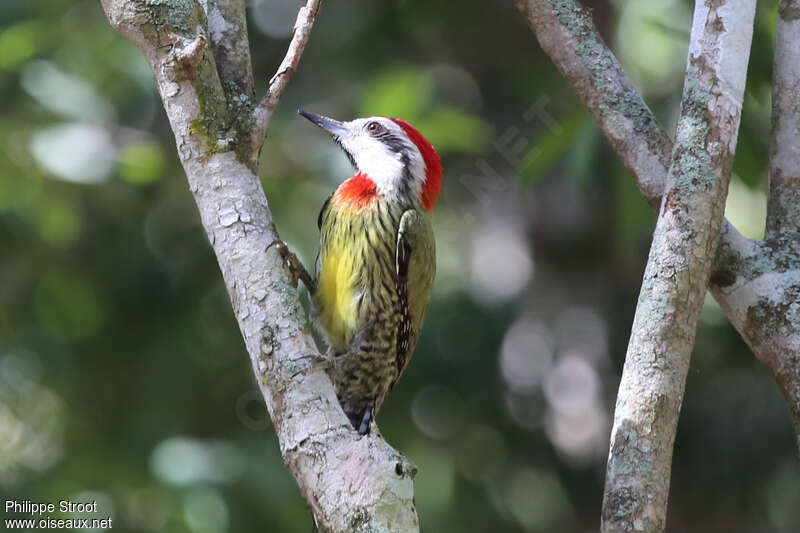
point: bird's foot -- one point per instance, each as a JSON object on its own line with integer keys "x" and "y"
{"x": 295, "y": 267}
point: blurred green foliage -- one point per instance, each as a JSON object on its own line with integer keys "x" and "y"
{"x": 123, "y": 377}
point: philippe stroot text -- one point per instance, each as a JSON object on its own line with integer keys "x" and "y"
{"x": 63, "y": 514}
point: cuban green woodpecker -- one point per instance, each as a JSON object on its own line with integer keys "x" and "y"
{"x": 377, "y": 259}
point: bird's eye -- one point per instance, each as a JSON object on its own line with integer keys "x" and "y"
{"x": 374, "y": 127}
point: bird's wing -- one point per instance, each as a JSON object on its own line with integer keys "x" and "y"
{"x": 322, "y": 211}
{"x": 322, "y": 214}
{"x": 415, "y": 262}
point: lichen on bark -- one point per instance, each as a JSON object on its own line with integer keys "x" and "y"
{"x": 752, "y": 280}
{"x": 678, "y": 270}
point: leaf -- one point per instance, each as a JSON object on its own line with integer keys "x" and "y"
{"x": 142, "y": 163}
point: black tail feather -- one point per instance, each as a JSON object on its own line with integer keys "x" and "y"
{"x": 360, "y": 418}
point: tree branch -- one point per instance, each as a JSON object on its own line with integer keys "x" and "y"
{"x": 227, "y": 28}
{"x": 762, "y": 303}
{"x": 352, "y": 483}
{"x": 566, "y": 33}
{"x": 783, "y": 209}
{"x": 278, "y": 82}
{"x": 678, "y": 269}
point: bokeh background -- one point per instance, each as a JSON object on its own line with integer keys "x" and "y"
{"x": 123, "y": 378}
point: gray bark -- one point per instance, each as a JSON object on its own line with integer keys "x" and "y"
{"x": 678, "y": 269}
{"x": 784, "y": 169}
{"x": 756, "y": 283}
{"x": 762, "y": 298}
{"x": 201, "y": 64}
{"x": 763, "y": 303}
{"x": 757, "y": 309}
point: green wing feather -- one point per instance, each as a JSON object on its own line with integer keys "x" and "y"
{"x": 416, "y": 269}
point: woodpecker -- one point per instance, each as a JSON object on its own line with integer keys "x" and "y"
{"x": 377, "y": 259}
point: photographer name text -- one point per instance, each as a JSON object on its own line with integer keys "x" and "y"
{"x": 41, "y": 513}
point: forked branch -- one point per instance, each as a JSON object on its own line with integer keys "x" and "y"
{"x": 689, "y": 182}
{"x": 352, "y": 483}
{"x": 754, "y": 282}
{"x": 566, "y": 33}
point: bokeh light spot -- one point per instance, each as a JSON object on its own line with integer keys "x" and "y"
{"x": 437, "y": 411}
{"x": 146, "y": 508}
{"x": 205, "y": 510}
{"x": 58, "y": 222}
{"x": 402, "y": 92}
{"x": 105, "y": 508}
{"x": 18, "y": 44}
{"x": 580, "y": 437}
{"x": 526, "y": 354}
{"x": 534, "y": 498}
{"x": 184, "y": 461}
{"x": 142, "y": 163}
{"x": 32, "y": 420}
{"x": 581, "y": 329}
{"x": 74, "y": 152}
{"x": 572, "y": 385}
{"x": 65, "y": 94}
{"x": 500, "y": 263}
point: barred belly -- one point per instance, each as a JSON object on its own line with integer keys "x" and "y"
{"x": 357, "y": 302}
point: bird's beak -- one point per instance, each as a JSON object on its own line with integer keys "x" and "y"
{"x": 334, "y": 127}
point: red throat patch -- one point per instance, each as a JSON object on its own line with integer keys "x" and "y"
{"x": 357, "y": 192}
{"x": 433, "y": 165}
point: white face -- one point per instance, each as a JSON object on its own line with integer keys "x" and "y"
{"x": 381, "y": 149}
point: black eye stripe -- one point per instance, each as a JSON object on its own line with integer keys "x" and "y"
{"x": 394, "y": 143}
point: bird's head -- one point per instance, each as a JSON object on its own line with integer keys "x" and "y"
{"x": 389, "y": 151}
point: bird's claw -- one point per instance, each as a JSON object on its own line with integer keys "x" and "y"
{"x": 296, "y": 269}
{"x": 290, "y": 260}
